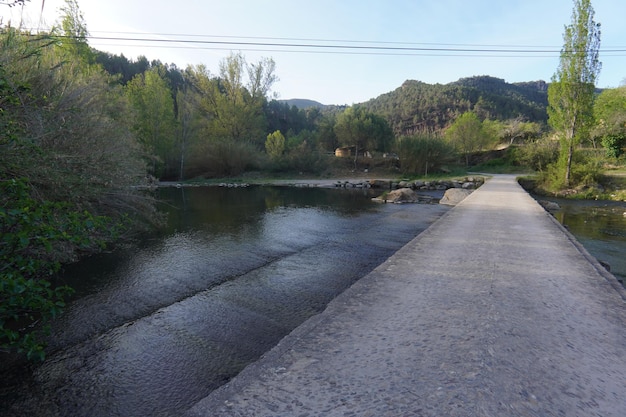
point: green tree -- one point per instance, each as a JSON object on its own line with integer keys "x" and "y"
{"x": 610, "y": 116}
{"x": 275, "y": 144}
{"x": 466, "y": 135}
{"x": 74, "y": 33}
{"x": 154, "y": 123}
{"x": 571, "y": 93}
{"x": 234, "y": 101}
{"x": 364, "y": 130}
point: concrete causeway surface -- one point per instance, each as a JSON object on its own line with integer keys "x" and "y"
{"x": 495, "y": 310}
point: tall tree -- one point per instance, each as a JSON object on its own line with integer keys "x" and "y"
{"x": 154, "y": 121}
{"x": 234, "y": 101}
{"x": 571, "y": 93}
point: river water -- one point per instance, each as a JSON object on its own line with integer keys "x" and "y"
{"x": 156, "y": 327}
{"x": 601, "y": 228}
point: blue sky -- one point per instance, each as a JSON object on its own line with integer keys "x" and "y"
{"x": 350, "y": 75}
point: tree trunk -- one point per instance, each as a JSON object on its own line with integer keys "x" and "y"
{"x": 568, "y": 168}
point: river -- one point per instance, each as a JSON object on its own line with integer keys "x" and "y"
{"x": 157, "y": 326}
{"x": 601, "y": 228}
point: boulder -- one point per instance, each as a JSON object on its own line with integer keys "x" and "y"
{"x": 454, "y": 196}
{"x": 401, "y": 195}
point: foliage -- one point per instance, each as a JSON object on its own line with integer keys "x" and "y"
{"x": 610, "y": 114}
{"x": 614, "y": 144}
{"x": 275, "y": 145}
{"x": 586, "y": 172}
{"x": 153, "y": 121}
{"x": 423, "y": 154}
{"x": 467, "y": 135}
{"x": 233, "y": 103}
{"x": 537, "y": 154}
{"x": 571, "y": 93}
{"x": 35, "y": 237}
{"x": 74, "y": 33}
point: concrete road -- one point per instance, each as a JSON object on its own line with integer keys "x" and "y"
{"x": 495, "y": 310}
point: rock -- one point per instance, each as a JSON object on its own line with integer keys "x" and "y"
{"x": 454, "y": 196}
{"x": 401, "y": 195}
{"x": 549, "y": 205}
{"x": 468, "y": 185}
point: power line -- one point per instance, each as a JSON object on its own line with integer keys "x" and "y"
{"x": 335, "y": 46}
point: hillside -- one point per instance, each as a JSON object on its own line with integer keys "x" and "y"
{"x": 417, "y": 106}
{"x": 302, "y": 103}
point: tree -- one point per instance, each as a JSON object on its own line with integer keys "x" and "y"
{"x": 363, "y": 130}
{"x": 154, "y": 122}
{"x": 610, "y": 115}
{"x": 74, "y": 33}
{"x": 571, "y": 93}
{"x": 233, "y": 102}
{"x": 466, "y": 135}
{"x": 275, "y": 144}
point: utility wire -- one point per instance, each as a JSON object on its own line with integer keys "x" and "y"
{"x": 335, "y": 46}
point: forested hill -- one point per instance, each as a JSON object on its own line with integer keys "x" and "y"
{"x": 303, "y": 103}
{"x": 417, "y": 106}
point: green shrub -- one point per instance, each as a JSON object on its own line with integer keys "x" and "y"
{"x": 35, "y": 237}
{"x": 614, "y": 145}
{"x": 536, "y": 155}
{"x": 586, "y": 171}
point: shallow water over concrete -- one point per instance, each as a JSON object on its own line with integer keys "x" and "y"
{"x": 155, "y": 328}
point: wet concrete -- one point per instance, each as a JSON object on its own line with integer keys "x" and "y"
{"x": 495, "y": 310}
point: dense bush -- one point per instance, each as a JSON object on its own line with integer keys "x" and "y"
{"x": 35, "y": 238}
